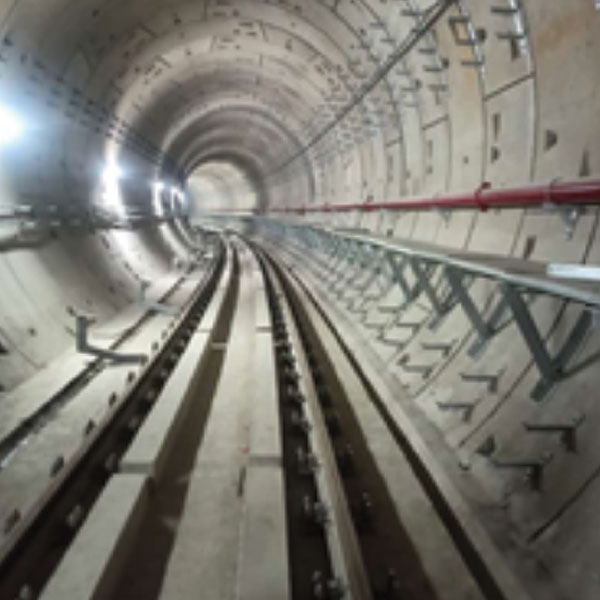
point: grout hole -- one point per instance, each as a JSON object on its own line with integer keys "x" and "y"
{"x": 550, "y": 139}
{"x": 515, "y": 49}
{"x": 584, "y": 168}
{"x": 529, "y": 246}
{"x": 496, "y": 124}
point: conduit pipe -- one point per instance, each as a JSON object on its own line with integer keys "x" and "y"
{"x": 556, "y": 193}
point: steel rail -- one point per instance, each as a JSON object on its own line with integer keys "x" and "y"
{"x": 344, "y": 552}
{"x": 483, "y": 559}
{"x": 39, "y": 539}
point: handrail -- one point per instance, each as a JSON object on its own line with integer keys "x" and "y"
{"x": 532, "y": 275}
{"x": 349, "y": 255}
{"x": 555, "y": 193}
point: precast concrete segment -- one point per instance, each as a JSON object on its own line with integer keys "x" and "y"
{"x": 90, "y": 567}
{"x": 27, "y": 475}
{"x": 209, "y": 551}
{"x": 28, "y": 397}
{"x": 74, "y": 480}
{"x": 150, "y": 448}
{"x": 143, "y": 460}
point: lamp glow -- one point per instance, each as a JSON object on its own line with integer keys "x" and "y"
{"x": 158, "y": 187}
{"x": 112, "y": 194}
{"x": 11, "y": 126}
{"x": 112, "y": 173}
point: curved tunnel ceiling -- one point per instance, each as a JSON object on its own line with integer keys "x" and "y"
{"x": 123, "y": 103}
{"x": 121, "y": 121}
{"x": 161, "y": 77}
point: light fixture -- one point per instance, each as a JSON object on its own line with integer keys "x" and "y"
{"x": 158, "y": 187}
{"x": 111, "y": 173}
{"x": 11, "y": 126}
{"x": 112, "y": 193}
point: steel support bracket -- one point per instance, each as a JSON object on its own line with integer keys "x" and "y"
{"x": 552, "y": 369}
{"x": 410, "y": 294}
{"x": 84, "y": 347}
{"x": 423, "y": 278}
{"x": 157, "y": 307}
{"x": 483, "y": 329}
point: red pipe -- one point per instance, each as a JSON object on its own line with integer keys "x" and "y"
{"x": 557, "y": 192}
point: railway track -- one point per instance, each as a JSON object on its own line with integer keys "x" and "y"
{"x": 251, "y": 460}
{"x": 37, "y": 541}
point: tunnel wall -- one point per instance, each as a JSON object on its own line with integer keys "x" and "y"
{"x": 503, "y": 96}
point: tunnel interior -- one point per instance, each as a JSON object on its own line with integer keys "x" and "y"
{"x": 127, "y": 126}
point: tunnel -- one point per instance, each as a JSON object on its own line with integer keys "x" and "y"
{"x": 299, "y": 299}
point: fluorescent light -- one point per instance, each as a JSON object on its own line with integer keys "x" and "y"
{"x": 577, "y": 272}
{"x": 11, "y": 126}
{"x": 158, "y": 187}
{"x": 112, "y": 193}
{"x": 112, "y": 173}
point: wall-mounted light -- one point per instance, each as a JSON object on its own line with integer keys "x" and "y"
{"x": 111, "y": 174}
{"x": 177, "y": 200}
{"x": 11, "y": 126}
{"x": 157, "y": 188}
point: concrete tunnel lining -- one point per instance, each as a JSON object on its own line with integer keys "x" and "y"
{"x": 124, "y": 103}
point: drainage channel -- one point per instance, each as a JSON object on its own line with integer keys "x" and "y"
{"x": 39, "y": 544}
{"x": 345, "y": 537}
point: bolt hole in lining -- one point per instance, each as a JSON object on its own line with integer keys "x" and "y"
{"x": 496, "y": 124}
{"x": 584, "y": 168}
{"x": 529, "y": 246}
{"x": 550, "y": 139}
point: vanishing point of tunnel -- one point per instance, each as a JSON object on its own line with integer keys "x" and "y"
{"x": 299, "y": 299}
